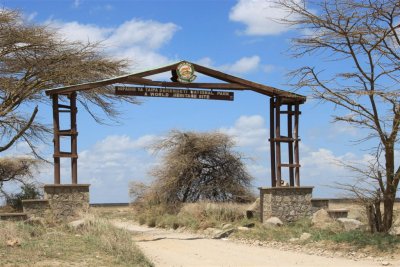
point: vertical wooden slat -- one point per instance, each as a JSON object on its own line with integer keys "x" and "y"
{"x": 271, "y": 140}
{"x": 296, "y": 144}
{"x": 56, "y": 140}
{"x": 74, "y": 143}
{"x": 277, "y": 142}
{"x": 290, "y": 144}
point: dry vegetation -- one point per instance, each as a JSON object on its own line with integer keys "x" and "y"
{"x": 195, "y": 216}
{"x": 95, "y": 243}
{"x": 195, "y": 167}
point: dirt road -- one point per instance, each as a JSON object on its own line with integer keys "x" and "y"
{"x": 171, "y": 248}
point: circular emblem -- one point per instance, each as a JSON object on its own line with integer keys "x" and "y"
{"x": 185, "y": 72}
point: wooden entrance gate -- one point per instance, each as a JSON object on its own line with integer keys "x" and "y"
{"x": 281, "y": 103}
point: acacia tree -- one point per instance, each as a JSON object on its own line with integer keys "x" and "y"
{"x": 34, "y": 58}
{"x": 200, "y": 166}
{"x": 364, "y": 35}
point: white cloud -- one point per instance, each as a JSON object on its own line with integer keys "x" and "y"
{"x": 112, "y": 163}
{"x": 243, "y": 65}
{"x": 76, "y": 3}
{"x": 205, "y": 61}
{"x": 75, "y": 31}
{"x": 122, "y": 143}
{"x": 135, "y": 40}
{"x": 342, "y": 128}
{"x": 268, "y": 68}
{"x": 31, "y": 16}
{"x": 150, "y": 34}
{"x": 249, "y": 131}
{"x": 260, "y": 17}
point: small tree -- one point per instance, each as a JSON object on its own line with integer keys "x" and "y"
{"x": 19, "y": 170}
{"x": 34, "y": 58}
{"x": 28, "y": 191}
{"x": 200, "y": 166}
{"x": 364, "y": 36}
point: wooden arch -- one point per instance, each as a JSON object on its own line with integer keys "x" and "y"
{"x": 281, "y": 103}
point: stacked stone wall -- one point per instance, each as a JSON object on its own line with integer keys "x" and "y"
{"x": 67, "y": 202}
{"x": 36, "y": 207}
{"x": 287, "y": 203}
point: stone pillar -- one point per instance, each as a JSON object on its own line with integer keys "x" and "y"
{"x": 287, "y": 203}
{"x": 67, "y": 201}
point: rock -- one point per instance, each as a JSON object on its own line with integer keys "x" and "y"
{"x": 223, "y": 234}
{"x": 249, "y": 225}
{"x": 385, "y": 263}
{"x": 77, "y": 224}
{"x": 395, "y": 231}
{"x": 293, "y": 239}
{"x": 350, "y": 224}
{"x": 227, "y": 226}
{"x": 305, "y": 236}
{"x": 273, "y": 221}
{"x": 321, "y": 219}
{"x": 15, "y": 242}
{"x": 243, "y": 228}
{"x": 253, "y": 209}
{"x": 35, "y": 221}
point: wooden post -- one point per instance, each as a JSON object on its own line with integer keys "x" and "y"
{"x": 56, "y": 140}
{"x": 74, "y": 143}
{"x": 277, "y": 141}
{"x": 290, "y": 143}
{"x": 296, "y": 144}
{"x": 272, "y": 139}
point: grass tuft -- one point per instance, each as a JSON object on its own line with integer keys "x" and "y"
{"x": 96, "y": 243}
{"x": 113, "y": 241}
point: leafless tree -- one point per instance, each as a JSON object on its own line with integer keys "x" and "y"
{"x": 363, "y": 35}
{"x": 200, "y": 166}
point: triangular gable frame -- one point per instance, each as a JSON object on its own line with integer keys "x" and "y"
{"x": 232, "y": 83}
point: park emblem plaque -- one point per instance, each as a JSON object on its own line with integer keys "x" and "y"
{"x": 185, "y": 72}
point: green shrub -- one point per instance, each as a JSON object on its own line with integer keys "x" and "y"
{"x": 28, "y": 191}
{"x": 362, "y": 239}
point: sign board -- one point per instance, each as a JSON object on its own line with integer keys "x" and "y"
{"x": 174, "y": 93}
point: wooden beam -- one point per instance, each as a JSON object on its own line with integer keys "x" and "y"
{"x": 296, "y": 144}
{"x": 271, "y": 140}
{"x": 222, "y": 86}
{"x": 290, "y": 144}
{"x": 56, "y": 140}
{"x": 157, "y": 70}
{"x": 85, "y": 86}
{"x": 74, "y": 141}
{"x": 259, "y": 88}
{"x": 278, "y": 144}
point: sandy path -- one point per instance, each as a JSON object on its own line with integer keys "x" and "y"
{"x": 171, "y": 248}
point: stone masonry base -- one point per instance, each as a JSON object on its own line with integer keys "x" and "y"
{"x": 287, "y": 203}
{"x": 64, "y": 202}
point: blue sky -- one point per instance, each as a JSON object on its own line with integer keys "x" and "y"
{"x": 237, "y": 37}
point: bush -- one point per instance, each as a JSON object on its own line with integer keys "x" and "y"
{"x": 28, "y": 191}
{"x": 194, "y": 215}
{"x": 196, "y": 167}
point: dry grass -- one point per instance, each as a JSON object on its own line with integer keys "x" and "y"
{"x": 97, "y": 243}
{"x": 195, "y": 216}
